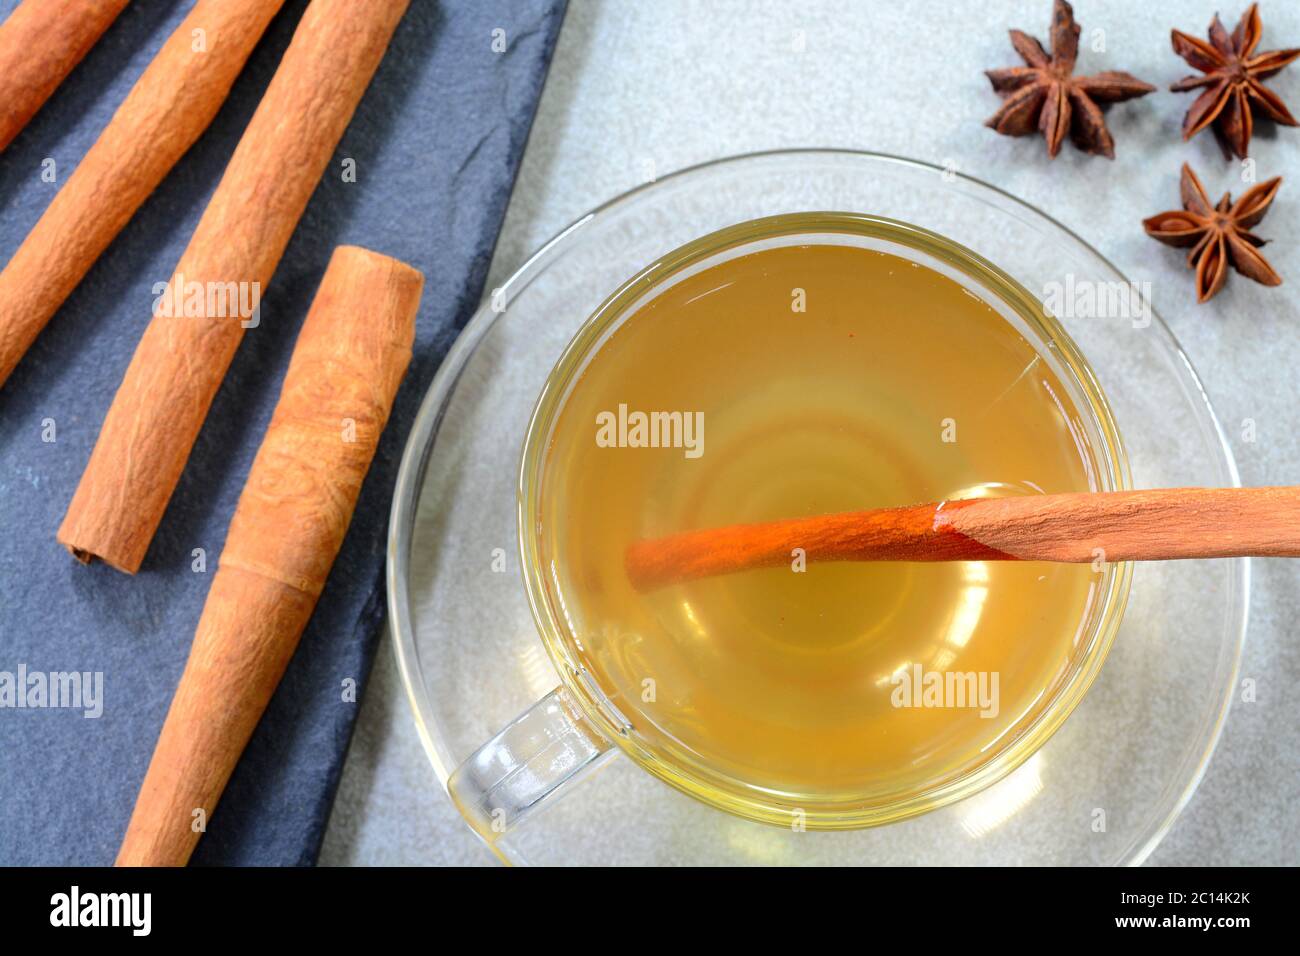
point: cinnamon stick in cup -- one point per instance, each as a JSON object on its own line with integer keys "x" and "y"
{"x": 287, "y": 529}
{"x": 181, "y": 360}
{"x": 40, "y": 44}
{"x": 1157, "y": 524}
{"x": 166, "y": 111}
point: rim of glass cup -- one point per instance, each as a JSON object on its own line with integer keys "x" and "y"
{"x": 419, "y": 447}
{"x": 677, "y": 765}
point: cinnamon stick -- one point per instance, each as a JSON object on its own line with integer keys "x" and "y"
{"x": 166, "y": 111}
{"x": 181, "y": 360}
{"x": 286, "y": 531}
{"x": 1153, "y": 525}
{"x": 40, "y": 44}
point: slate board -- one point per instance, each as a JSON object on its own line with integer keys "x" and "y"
{"x": 437, "y": 142}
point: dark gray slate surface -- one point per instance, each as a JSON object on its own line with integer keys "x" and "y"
{"x": 437, "y": 141}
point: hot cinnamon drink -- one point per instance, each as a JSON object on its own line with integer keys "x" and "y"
{"x": 795, "y": 381}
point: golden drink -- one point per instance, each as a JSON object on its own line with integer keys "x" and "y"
{"x": 796, "y": 381}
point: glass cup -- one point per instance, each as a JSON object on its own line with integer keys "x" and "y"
{"x": 576, "y": 726}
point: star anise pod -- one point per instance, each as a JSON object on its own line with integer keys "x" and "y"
{"x": 1045, "y": 96}
{"x": 1218, "y": 234}
{"x": 1233, "y": 75}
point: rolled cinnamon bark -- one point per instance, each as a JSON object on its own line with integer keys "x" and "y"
{"x": 287, "y": 529}
{"x": 181, "y": 360}
{"x": 166, "y": 111}
{"x": 40, "y": 44}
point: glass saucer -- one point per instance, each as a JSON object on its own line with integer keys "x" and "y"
{"x": 1103, "y": 790}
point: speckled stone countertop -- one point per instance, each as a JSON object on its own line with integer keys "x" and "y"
{"x": 678, "y": 83}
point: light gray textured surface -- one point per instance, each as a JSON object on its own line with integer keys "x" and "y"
{"x": 673, "y": 84}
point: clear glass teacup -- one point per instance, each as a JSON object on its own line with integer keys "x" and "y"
{"x": 581, "y": 723}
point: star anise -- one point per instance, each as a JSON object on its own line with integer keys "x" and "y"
{"x": 1045, "y": 96}
{"x": 1218, "y": 234}
{"x": 1233, "y": 75}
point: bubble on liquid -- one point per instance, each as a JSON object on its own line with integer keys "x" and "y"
{"x": 995, "y": 489}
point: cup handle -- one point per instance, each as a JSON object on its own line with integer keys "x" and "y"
{"x": 540, "y": 752}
